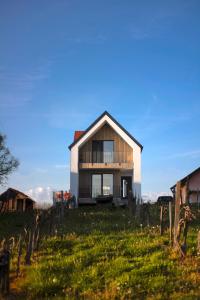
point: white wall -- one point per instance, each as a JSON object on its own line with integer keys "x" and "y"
{"x": 74, "y": 181}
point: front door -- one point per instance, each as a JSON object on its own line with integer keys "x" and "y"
{"x": 126, "y": 186}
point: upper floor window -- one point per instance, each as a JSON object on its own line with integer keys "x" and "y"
{"x": 102, "y": 151}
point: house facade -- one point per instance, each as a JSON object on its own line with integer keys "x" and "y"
{"x": 189, "y": 187}
{"x": 105, "y": 161}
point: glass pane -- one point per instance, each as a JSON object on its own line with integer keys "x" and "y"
{"x": 125, "y": 193}
{"x": 107, "y": 184}
{"x": 96, "y": 185}
{"x": 108, "y": 151}
{"x": 97, "y": 151}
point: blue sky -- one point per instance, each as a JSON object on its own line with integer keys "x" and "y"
{"x": 62, "y": 63}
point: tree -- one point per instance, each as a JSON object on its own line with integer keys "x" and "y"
{"x": 8, "y": 163}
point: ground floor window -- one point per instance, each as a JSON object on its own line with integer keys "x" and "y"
{"x": 96, "y": 185}
{"x": 102, "y": 184}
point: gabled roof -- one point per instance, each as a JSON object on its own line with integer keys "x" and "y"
{"x": 184, "y": 179}
{"x": 115, "y": 121}
{"x": 10, "y": 191}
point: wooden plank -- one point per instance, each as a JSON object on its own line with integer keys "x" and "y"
{"x": 161, "y": 219}
{"x": 170, "y": 222}
{"x": 177, "y": 211}
{"x": 107, "y": 133}
{"x": 106, "y": 166}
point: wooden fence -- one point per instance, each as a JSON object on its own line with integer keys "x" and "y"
{"x": 46, "y": 223}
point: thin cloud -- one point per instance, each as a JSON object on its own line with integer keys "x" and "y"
{"x": 62, "y": 166}
{"x": 13, "y": 101}
{"x": 156, "y": 20}
{"x": 25, "y": 80}
{"x": 98, "y": 39}
{"x": 41, "y": 170}
{"x": 16, "y": 88}
{"x": 187, "y": 154}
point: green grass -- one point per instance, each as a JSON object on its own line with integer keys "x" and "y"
{"x": 103, "y": 254}
{"x": 12, "y": 224}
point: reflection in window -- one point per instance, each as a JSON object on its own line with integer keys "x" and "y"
{"x": 96, "y": 185}
{"x": 102, "y": 184}
{"x": 102, "y": 151}
{"x": 108, "y": 151}
{"x": 107, "y": 184}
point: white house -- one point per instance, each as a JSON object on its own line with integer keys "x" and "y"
{"x": 105, "y": 161}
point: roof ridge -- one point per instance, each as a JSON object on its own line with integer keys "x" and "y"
{"x": 115, "y": 121}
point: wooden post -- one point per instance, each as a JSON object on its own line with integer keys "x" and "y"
{"x": 137, "y": 207}
{"x": 177, "y": 211}
{"x": 24, "y": 205}
{"x": 29, "y": 248}
{"x": 4, "y": 269}
{"x": 161, "y": 219}
{"x": 130, "y": 202}
{"x": 147, "y": 214}
{"x": 19, "y": 255}
{"x": 36, "y": 233}
{"x": 62, "y": 206}
{"x": 170, "y": 222}
{"x": 187, "y": 192}
{"x": 198, "y": 243}
{"x": 185, "y": 231}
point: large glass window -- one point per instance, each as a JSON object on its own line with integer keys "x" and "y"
{"x": 102, "y": 184}
{"x": 97, "y": 152}
{"x": 102, "y": 151}
{"x": 96, "y": 185}
{"x": 108, "y": 151}
{"x": 107, "y": 184}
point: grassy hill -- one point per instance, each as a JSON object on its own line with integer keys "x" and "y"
{"x": 104, "y": 254}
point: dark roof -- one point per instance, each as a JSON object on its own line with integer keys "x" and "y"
{"x": 115, "y": 121}
{"x": 10, "y": 192}
{"x": 184, "y": 179}
{"x": 164, "y": 199}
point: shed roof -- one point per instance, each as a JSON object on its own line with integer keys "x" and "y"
{"x": 184, "y": 179}
{"x": 10, "y": 192}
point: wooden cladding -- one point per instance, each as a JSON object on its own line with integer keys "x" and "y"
{"x": 122, "y": 151}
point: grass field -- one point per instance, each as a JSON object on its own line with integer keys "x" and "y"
{"x": 103, "y": 254}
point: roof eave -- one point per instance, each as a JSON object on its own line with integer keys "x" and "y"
{"x": 115, "y": 121}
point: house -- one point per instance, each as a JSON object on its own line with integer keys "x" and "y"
{"x": 13, "y": 200}
{"x": 105, "y": 161}
{"x": 189, "y": 185}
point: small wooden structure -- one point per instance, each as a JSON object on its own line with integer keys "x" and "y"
{"x": 13, "y": 200}
{"x": 189, "y": 188}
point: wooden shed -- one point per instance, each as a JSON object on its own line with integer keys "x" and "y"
{"x": 189, "y": 187}
{"x": 14, "y": 200}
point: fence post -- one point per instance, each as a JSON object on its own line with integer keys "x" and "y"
{"x": 4, "y": 269}
{"x": 198, "y": 243}
{"x": 130, "y": 202}
{"x": 19, "y": 255}
{"x": 161, "y": 219}
{"x": 177, "y": 211}
{"x": 29, "y": 248}
{"x": 170, "y": 222}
